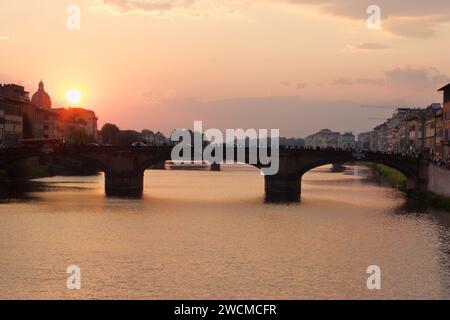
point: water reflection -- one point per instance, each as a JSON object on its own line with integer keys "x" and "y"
{"x": 210, "y": 235}
{"x": 19, "y": 191}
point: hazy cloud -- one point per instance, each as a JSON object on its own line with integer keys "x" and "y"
{"x": 417, "y": 78}
{"x": 360, "y": 81}
{"x": 147, "y": 5}
{"x": 170, "y": 8}
{"x": 151, "y": 97}
{"x": 412, "y": 18}
{"x": 420, "y": 78}
{"x": 369, "y": 46}
{"x": 7, "y": 38}
{"x": 299, "y": 85}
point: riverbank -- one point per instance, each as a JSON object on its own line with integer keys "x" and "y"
{"x": 398, "y": 180}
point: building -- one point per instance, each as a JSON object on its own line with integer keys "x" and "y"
{"x": 323, "y": 139}
{"x": 2, "y": 126}
{"x": 440, "y": 140}
{"x": 41, "y": 99}
{"x": 364, "y": 141}
{"x": 12, "y": 99}
{"x": 49, "y": 122}
{"x": 14, "y": 92}
{"x": 22, "y": 118}
{"x": 446, "y": 121}
{"x": 430, "y": 132}
{"x": 326, "y": 138}
{"x": 61, "y": 122}
{"x": 11, "y": 122}
{"x": 378, "y": 138}
{"x": 32, "y": 125}
{"x": 403, "y": 133}
{"x": 415, "y": 131}
{"x": 393, "y": 130}
{"x": 416, "y": 128}
{"x": 347, "y": 141}
{"x": 153, "y": 139}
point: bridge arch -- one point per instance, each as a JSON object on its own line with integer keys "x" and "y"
{"x": 286, "y": 185}
{"x": 8, "y": 160}
{"x": 408, "y": 172}
{"x": 124, "y": 166}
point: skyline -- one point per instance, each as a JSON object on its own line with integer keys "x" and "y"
{"x": 225, "y": 64}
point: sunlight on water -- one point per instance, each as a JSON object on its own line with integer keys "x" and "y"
{"x": 199, "y": 234}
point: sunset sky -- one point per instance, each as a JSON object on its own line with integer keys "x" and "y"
{"x": 297, "y": 65}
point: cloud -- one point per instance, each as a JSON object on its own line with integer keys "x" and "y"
{"x": 411, "y": 78}
{"x": 417, "y": 78}
{"x": 175, "y": 9}
{"x": 7, "y": 38}
{"x": 360, "y": 81}
{"x": 367, "y": 46}
{"x": 412, "y": 18}
{"x": 151, "y": 97}
{"x": 299, "y": 85}
{"x": 147, "y": 5}
{"x": 283, "y": 112}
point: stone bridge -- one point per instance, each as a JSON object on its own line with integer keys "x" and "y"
{"x": 124, "y": 167}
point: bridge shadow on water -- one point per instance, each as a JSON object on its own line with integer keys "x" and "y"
{"x": 28, "y": 190}
{"x": 10, "y": 191}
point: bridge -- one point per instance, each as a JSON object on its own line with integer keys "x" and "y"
{"x": 124, "y": 167}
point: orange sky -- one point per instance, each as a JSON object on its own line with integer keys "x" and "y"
{"x": 297, "y": 65}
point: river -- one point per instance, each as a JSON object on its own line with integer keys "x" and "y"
{"x": 209, "y": 235}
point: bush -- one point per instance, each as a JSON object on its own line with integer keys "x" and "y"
{"x": 399, "y": 180}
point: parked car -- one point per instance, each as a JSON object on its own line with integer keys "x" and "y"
{"x": 138, "y": 144}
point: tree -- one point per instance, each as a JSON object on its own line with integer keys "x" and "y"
{"x": 110, "y": 133}
{"x": 79, "y": 136}
{"x": 127, "y": 137}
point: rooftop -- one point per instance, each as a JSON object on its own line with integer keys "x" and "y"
{"x": 447, "y": 87}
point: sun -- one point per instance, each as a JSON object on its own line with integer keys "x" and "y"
{"x": 74, "y": 96}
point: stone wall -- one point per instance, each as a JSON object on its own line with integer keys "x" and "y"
{"x": 439, "y": 180}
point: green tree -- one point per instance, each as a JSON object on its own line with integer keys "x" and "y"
{"x": 110, "y": 133}
{"x": 127, "y": 137}
{"x": 79, "y": 136}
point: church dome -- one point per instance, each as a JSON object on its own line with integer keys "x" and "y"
{"x": 41, "y": 98}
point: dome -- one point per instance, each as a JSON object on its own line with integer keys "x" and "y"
{"x": 41, "y": 98}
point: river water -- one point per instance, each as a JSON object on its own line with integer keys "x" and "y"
{"x": 209, "y": 235}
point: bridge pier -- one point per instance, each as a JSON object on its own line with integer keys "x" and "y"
{"x": 420, "y": 181}
{"x": 411, "y": 184}
{"x": 124, "y": 184}
{"x": 338, "y": 167}
{"x": 283, "y": 188}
